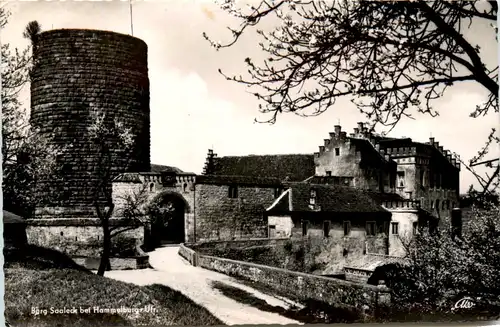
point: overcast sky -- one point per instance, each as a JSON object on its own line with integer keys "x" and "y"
{"x": 193, "y": 108}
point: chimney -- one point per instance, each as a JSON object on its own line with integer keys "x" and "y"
{"x": 337, "y": 129}
{"x": 431, "y": 140}
{"x": 360, "y": 126}
{"x": 356, "y": 130}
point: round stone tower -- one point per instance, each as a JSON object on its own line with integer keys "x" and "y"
{"x": 75, "y": 73}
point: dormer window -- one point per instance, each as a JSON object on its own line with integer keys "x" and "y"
{"x": 312, "y": 199}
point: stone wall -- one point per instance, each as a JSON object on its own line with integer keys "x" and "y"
{"x": 76, "y": 72}
{"x": 140, "y": 262}
{"x": 300, "y": 286}
{"x": 77, "y": 237}
{"x": 219, "y": 217}
{"x": 330, "y": 254}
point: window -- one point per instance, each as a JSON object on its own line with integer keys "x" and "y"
{"x": 185, "y": 187}
{"x": 415, "y": 228}
{"x": 401, "y": 178}
{"x": 444, "y": 204}
{"x": 328, "y": 173}
{"x": 347, "y": 228}
{"x": 422, "y": 177}
{"x": 370, "y": 228}
{"x": 233, "y": 192}
{"x": 394, "y": 228}
{"x": 272, "y": 231}
{"x": 304, "y": 227}
{"x": 437, "y": 205}
{"x": 312, "y": 199}
{"x": 151, "y": 187}
{"x": 337, "y": 151}
{"x": 432, "y": 205}
{"x": 326, "y": 228}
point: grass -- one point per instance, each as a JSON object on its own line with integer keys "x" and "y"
{"x": 54, "y": 282}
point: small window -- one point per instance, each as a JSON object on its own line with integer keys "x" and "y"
{"x": 328, "y": 173}
{"x": 415, "y": 228}
{"x": 432, "y": 205}
{"x": 437, "y": 205}
{"x": 184, "y": 187}
{"x": 233, "y": 192}
{"x": 272, "y": 231}
{"x": 305, "y": 224}
{"x": 312, "y": 199}
{"x": 151, "y": 187}
{"x": 394, "y": 228}
{"x": 401, "y": 178}
{"x": 347, "y": 228}
{"x": 326, "y": 228}
{"x": 370, "y": 228}
{"x": 337, "y": 151}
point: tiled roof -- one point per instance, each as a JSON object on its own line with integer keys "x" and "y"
{"x": 163, "y": 168}
{"x": 128, "y": 178}
{"x": 238, "y": 180}
{"x": 11, "y": 218}
{"x": 328, "y": 198}
{"x": 292, "y": 167}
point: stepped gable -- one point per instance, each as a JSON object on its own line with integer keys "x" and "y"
{"x": 364, "y": 141}
{"x": 286, "y": 167}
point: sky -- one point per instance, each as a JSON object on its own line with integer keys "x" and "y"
{"x": 193, "y": 108}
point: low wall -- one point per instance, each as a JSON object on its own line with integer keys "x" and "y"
{"x": 188, "y": 254}
{"x": 77, "y": 237}
{"x": 139, "y": 262}
{"x": 299, "y": 286}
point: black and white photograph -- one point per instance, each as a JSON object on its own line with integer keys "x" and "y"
{"x": 250, "y": 162}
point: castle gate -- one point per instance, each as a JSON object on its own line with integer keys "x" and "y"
{"x": 169, "y": 211}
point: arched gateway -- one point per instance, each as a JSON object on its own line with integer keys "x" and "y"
{"x": 168, "y": 217}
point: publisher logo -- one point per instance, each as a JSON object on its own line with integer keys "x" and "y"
{"x": 464, "y": 303}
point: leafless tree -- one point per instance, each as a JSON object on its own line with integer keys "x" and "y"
{"x": 391, "y": 58}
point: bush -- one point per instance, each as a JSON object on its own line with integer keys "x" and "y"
{"x": 441, "y": 270}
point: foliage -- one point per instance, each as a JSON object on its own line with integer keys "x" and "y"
{"x": 27, "y": 156}
{"x": 391, "y": 58}
{"x": 442, "y": 269}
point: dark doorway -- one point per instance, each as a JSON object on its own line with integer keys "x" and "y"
{"x": 168, "y": 220}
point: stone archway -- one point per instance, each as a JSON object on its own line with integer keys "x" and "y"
{"x": 168, "y": 212}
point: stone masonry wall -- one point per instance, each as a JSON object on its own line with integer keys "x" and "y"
{"x": 78, "y": 237}
{"x": 76, "y": 72}
{"x": 219, "y": 217}
{"x": 300, "y": 286}
{"x": 334, "y": 252}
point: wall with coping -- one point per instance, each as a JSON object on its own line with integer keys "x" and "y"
{"x": 77, "y": 237}
{"x": 299, "y": 286}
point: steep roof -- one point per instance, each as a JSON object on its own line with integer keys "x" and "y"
{"x": 329, "y": 198}
{"x": 238, "y": 180}
{"x": 292, "y": 167}
{"x": 162, "y": 168}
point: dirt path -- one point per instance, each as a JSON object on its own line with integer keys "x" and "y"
{"x": 172, "y": 270}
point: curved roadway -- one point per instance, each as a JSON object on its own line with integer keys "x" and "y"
{"x": 171, "y": 270}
